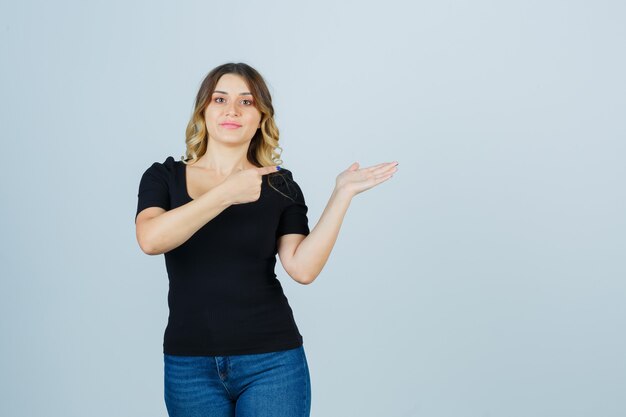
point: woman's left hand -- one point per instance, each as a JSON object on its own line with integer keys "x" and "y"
{"x": 355, "y": 180}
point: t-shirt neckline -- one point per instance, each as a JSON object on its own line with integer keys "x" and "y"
{"x": 183, "y": 166}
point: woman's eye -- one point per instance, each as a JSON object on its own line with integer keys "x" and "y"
{"x": 247, "y": 102}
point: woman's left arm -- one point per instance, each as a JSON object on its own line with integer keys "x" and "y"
{"x": 303, "y": 258}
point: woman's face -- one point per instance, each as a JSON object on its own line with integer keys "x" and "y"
{"x": 232, "y": 102}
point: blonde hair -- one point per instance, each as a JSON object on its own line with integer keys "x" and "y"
{"x": 264, "y": 149}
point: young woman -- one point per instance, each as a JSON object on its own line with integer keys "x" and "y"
{"x": 220, "y": 215}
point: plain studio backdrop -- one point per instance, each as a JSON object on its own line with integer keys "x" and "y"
{"x": 486, "y": 278}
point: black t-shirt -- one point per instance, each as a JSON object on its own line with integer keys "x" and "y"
{"x": 224, "y": 297}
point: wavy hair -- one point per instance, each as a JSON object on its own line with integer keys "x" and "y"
{"x": 264, "y": 149}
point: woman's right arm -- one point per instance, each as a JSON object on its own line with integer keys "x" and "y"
{"x": 159, "y": 230}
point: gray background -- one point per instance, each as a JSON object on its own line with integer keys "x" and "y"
{"x": 486, "y": 278}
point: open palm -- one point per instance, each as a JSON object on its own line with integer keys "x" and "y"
{"x": 355, "y": 180}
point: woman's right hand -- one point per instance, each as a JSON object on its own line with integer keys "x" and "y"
{"x": 245, "y": 186}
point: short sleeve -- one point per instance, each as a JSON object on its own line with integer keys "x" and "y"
{"x": 153, "y": 189}
{"x": 293, "y": 218}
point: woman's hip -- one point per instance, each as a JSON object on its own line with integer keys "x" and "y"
{"x": 275, "y": 383}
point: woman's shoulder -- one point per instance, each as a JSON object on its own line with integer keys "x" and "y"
{"x": 283, "y": 180}
{"x": 282, "y": 174}
{"x": 169, "y": 163}
{"x": 163, "y": 169}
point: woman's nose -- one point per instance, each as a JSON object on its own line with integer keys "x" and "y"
{"x": 231, "y": 109}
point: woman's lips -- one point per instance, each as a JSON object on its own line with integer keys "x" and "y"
{"x": 230, "y": 126}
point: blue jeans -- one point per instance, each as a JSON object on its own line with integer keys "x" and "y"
{"x": 274, "y": 384}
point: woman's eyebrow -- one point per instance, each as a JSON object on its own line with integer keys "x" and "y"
{"x": 245, "y": 93}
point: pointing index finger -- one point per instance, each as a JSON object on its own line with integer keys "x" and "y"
{"x": 267, "y": 170}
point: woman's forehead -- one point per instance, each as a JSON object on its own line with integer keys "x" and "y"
{"x": 232, "y": 84}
